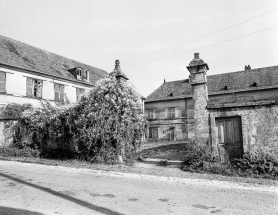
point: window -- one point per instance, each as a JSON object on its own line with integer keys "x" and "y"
{"x": 151, "y": 114}
{"x": 78, "y": 74}
{"x": 153, "y": 133}
{"x": 34, "y": 88}
{"x": 2, "y": 82}
{"x": 171, "y": 112}
{"x": 79, "y": 93}
{"x": 59, "y": 92}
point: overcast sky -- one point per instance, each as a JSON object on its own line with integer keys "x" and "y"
{"x": 97, "y": 32}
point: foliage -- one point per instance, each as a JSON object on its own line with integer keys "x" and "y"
{"x": 19, "y": 152}
{"x": 14, "y": 110}
{"x": 107, "y": 122}
{"x": 258, "y": 162}
{"x": 199, "y": 153}
{"x": 262, "y": 162}
{"x": 110, "y": 121}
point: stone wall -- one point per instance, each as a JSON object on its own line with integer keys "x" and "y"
{"x": 259, "y": 123}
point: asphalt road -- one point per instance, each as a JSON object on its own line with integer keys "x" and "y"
{"x": 39, "y": 189}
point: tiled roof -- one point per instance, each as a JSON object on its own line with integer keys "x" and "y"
{"x": 220, "y": 83}
{"x": 21, "y": 55}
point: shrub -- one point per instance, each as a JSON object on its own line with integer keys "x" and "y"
{"x": 258, "y": 162}
{"x": 110, "y": 122}
{"x": 199, "y": 153}
{"x": 107, "y": 122}
{"x": 16, "y": 152}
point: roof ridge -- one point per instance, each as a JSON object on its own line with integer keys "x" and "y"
{"x": 176, "y": 80}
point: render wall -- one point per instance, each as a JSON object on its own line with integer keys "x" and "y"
{"x": 259, "y": 125}
{"x": 16, "y": 88}
{"x": 182, "y": 123}
{"x": 245, "y": 96}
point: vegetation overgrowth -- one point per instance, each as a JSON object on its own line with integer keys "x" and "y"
{"x": 260, "y": 162}
{"x": 107, "y": 122}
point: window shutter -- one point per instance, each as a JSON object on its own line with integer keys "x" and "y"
{"x": 62, "y": 87}
{"x": 56, "y": 90}
{"x": 2, "y": 82}
{"x": 30, "y": 86}
{"x": 39, "y": 89}
{"x": 62, "y": 96}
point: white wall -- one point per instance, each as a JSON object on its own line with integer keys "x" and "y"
{"x": 16, "y": 88}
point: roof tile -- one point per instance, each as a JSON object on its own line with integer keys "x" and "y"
{"x": 263, "y": 77}
{"x": 18, "y": 54}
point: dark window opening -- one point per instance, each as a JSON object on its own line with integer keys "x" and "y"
{"x": 225, "y": 88}
{"x": 34, "y": 88}
{"x": 153, "y": 132}
{"x": 78, "y": 75}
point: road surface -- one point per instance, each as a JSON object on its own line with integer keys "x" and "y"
{"x": 39, "y": 189}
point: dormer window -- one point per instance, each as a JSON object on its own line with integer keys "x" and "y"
{"x": 254, "y": 85}
{"x": 78, "y": 74}
{"x": 225, "y": 88}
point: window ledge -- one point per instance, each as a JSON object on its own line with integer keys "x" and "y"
{"x": 33, "y": 97}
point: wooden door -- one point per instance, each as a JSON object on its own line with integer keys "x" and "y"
{"x": 229, "y": 138}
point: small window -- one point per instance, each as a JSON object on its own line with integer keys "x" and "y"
{"x": 171, "y": 112}
{"x": 34, "y": 88}
{"x": 2, "y": 82}
{"x": 151, "y": 114}
{"x": 79, "y": 93}
{"x": 254, "y": 85}
{"x": 153, "y": 132}
{"x": 225, "y": 88}
{"x": 59, "y": 92}
{"x": 79, "y": 75}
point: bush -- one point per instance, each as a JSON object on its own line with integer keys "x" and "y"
{"x": 107, "y": 122}
{"x": 57, "y": 153}
{"x": 16, "y": 152}
{"x": 199, "y": 153}
{"x": 258, "y": 162}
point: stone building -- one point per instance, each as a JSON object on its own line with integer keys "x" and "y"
{"x": 234, "y": 111}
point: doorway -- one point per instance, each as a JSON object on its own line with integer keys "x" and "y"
{"x": 229, "y": 138}
{"x": 172, "y": 133}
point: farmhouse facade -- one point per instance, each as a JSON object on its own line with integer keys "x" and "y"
{"x": 234, "y": 111}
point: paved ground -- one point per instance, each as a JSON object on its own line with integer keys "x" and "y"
{"x": 39, "y": 189}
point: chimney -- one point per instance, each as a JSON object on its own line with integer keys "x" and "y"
{"x": 247, "y": 68}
